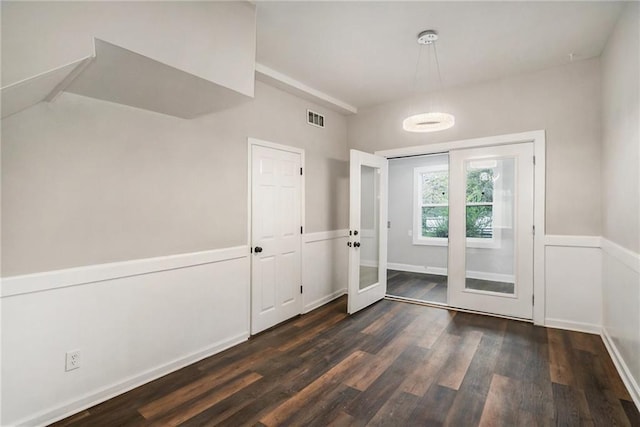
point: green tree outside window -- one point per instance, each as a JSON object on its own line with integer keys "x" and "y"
{"x": 479, "y": 200}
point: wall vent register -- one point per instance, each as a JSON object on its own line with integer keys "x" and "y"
{"x": 315, "y": 119}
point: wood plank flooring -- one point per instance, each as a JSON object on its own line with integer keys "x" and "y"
{"x": 392, "y": 364}
{"x": 433, "y": 288}
{"x": 423, "y": 287}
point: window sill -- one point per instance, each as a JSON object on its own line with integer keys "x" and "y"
{"x": 431, "y": 241}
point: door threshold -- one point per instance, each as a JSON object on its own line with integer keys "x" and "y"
{"x": 448, "y": 307}
{"x": 416, "y": 301}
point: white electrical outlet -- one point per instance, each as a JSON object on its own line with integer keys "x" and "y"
{"x": 72, "y": 360}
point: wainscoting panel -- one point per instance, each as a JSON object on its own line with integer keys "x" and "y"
{"x": 573, "y": 283}
{"x": 324, "y": 267}
{"x": 132, "y": 322}
{"x": 621, "y": 314}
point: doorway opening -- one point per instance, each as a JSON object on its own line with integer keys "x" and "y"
{"x": 484, "y": 220}
{"x": 461, "y": 229}
{"x": 418, "y": 228}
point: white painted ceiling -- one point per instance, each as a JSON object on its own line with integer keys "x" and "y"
{"x": 365, "y": 53}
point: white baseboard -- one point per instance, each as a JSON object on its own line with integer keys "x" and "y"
{"x": 89, "y": 400}
{"x": 494, "y": 277}
{"x": 324, "y": 300}
{"x": 417, "y": 268}
{"x": 588, "y": 328}
{"x": 368, "y": 263}
{"x": 621, "y": 366}
{"x": 439, "y": 271}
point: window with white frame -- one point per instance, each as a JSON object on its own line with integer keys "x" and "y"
{"x": 431, "y": 205}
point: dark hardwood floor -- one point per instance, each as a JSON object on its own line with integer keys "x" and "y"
{"x": 433, "y": 288}
{"x": 420, "y": 286}
{"x": 392, "y": 364}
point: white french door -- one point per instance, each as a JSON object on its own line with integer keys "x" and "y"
{"x": 276, "y": 220}
{"x": 491, "y": 229}
{"x": 367, "y": 230}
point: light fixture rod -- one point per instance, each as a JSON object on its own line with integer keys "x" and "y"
{"x": 435, "y": 54}
{"x": 430, "y": 121}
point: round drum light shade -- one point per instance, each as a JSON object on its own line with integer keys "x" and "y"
{"x": 428, "y": 122}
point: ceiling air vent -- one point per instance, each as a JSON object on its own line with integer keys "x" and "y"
{"x": 315, "y": 119}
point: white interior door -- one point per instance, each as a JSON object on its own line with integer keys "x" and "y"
{"x": 491, "y": 229}
{"x": 367, "y": 230}
{"x": 276, "y": 221}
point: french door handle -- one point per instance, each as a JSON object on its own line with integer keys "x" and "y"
{"x": 349, "y": 244}
{"x": 257, "y": 249}
{"x": 356, "y": 244}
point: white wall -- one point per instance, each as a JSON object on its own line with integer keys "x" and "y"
{"x": 573, "y": 283}
{"x": 401, "y": 248}
{"x": 621, "y": 195}
{"x": 403, "y": 254}
{"x": 565, "y": 101}
{"x": 621, "y": 312}
{"x": 134, "y": 321}
{"x": 324, "y": 267}
{"x": 86, "y": 182}
{"x": 219, "y": 46}
{"x": 131, "y": 321}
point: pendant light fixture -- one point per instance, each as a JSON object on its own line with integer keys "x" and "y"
{"x": 433, "y": 120}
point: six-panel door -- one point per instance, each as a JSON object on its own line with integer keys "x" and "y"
{"x": 276, "y": 236}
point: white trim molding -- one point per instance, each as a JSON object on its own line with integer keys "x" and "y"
{"x": 624, "y": 255}
{"x": 513, "y": 138}
{"x": 37, "y": 282}
{"x": 622, "y": 367}
{"x": 91, "y": 399}
{"x": 573, "y": 241}
{"x": 324, "y": 300}
{"x": 439, "y": 271}
{"x": 289, "y": 84}
{"x": 589, "y": 328}
{"x": 621, "y": 305}
{"x": 324, "y": 262}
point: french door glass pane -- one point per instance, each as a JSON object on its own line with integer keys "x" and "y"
{"x": 369, "y": 220}
{"x": 435, "y": 221}
{"x": 480, "y": 221}
{"x": 490, "y": 249}
{"x": 435, "y": 187}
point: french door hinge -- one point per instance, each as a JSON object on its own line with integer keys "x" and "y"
{"x": 301, "y": 230}
{"x": 533, "y": 300}
{"x": 300, "y": 288}
{"x": 534, "y": 229}
{"x": 534, "y": 160}
{"x": 300, "y": 171}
